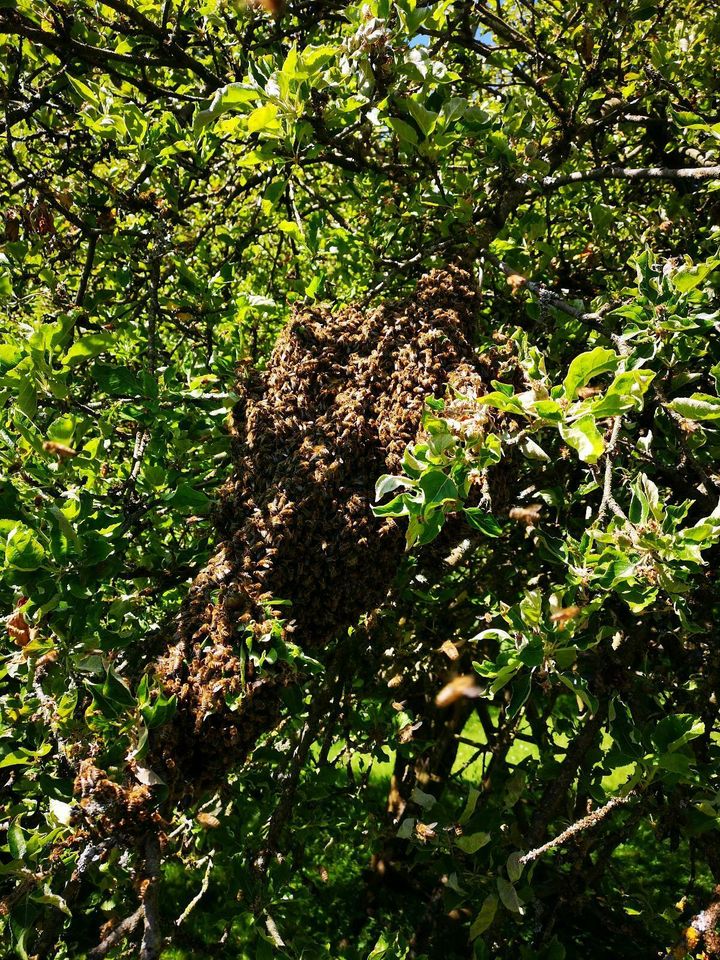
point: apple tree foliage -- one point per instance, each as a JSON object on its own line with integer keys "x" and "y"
{"x": 175, "y": 179}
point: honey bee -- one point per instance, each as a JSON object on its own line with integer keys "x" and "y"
{"x": 527, "y": 515}
{"x": 565, "y": 614}
{"x": 463, "y": 686}
{"x": 59, "y": 450}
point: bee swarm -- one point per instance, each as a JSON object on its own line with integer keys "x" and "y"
{"x": 340, "y": 400}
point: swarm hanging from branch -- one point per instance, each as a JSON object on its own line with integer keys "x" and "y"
{"x": 341, "y": 399}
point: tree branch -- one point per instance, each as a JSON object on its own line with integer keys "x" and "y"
{"x": 590, "y": 821}
{"x": 122, "y": 930}
{"x": 548, "y": 184}
{"x": 151, "y": 939}
{"x": 170, "y": 45}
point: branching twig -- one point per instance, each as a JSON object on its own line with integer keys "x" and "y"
{"x": 701, "y": 928}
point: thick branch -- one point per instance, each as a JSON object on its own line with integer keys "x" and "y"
{"x": 124, "y": 929}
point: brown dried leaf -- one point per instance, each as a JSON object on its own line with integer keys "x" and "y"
{"x": 516, "y": 282}
{"x": 18, "y": 627}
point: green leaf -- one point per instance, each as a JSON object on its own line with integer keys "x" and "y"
{"x": 117, "y": 380}
{"x": 406, "y": 828}
{"x": 227, "y": 98}
{"x": 186, "y": 497}
{"x": 548, "y": 410}
{"x": 422, "y": 530}
{"x": 23, "y": 550}
{"x": 532, "y": 450}
{"x": 473, "y": 842}
{"x": 159, "y": 712}
{"x": 501, "y": 401}
{"x": 397, "y": 507}
{"x": 6, "y": 287}
{"x": 117, "y": 690}
{"x": 584, "y": 436}
{"x": 700, "y": 406}
{"x": 86, "y": 92}
{"x": 113, "y": 697}
{"x": 405, "y": 132}
{"x": 424, "y": 800}
{"x": 263, "y": 118}
{"x": 21, "y": 757}
{"x": 483, "y": 521}
{"x": 690, "y": 276}
{"x": 88, "y": 347}
{"x": 579, "y": 687}
{"x": 10, "y": 355}
{"x": 52, "y": 900}
{"x": 509, "y": 897}
{"x": 675, "y": 731}
{"x": 486, "y": 916}
{"x": 16, "y": 841}
{"x": 387, "y": 483}
{"x": 520, "y": 693}
{"x": 626, "y": 392}
{"x": 514, "y": 867}
{"x": 588, "y": 365}
{"x": 473, "y": 797}
{"x": 437, "y": 488}
{"x": 424, "y": 118}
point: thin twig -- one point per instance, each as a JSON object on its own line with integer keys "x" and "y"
{"x": 587, "y": 823}
{"x": 607, "y": 485}
{"x": 142, "y": 436}
{"x": 151, "y": 939}
{"x": 201, "y": 892}
{"x": 153, "y": 313}
{"x": 545, "y": 295}
{"x": 87, "y": 269}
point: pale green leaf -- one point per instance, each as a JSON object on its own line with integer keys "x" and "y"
{"x": 584, "y": 436}
{"x": 700, "y": 406}
{"x": 587, "y": 366}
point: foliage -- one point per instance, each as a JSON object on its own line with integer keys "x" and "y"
{"x": 176, "y": 178}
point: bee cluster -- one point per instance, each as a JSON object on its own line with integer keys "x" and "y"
{"x": 340, "y": 400}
